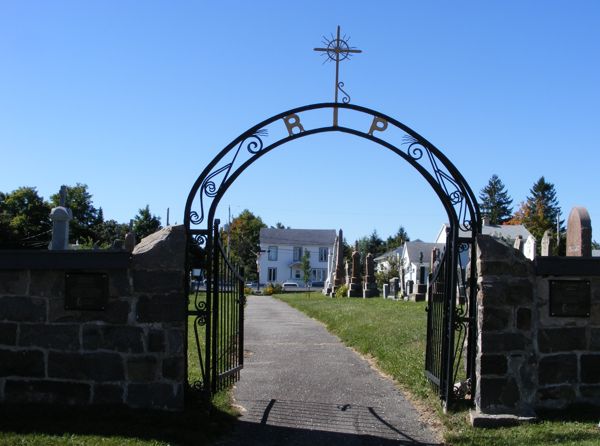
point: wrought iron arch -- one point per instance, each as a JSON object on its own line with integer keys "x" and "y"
{"x": 444, "y": 178}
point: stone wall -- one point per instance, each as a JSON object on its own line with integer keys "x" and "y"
{"x": 527, "y": 358}
{"x": 131, "y": 353}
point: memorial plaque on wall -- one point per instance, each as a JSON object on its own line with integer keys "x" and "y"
{"x": 570, "y": 298}
{"x": 86, "y": 291}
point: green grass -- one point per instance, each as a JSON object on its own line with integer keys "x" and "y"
{"x": 199, "y": 424}
{"x": 393, "y": 334}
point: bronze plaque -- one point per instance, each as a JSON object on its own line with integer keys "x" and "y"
{"x": 570, "y": 298}
{"x": 86, "y": 291}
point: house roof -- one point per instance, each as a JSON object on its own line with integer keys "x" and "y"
{"x": 509, "y": 232}
{"x": 299, "y": 237}
{"x": 383, "y": 257}
{"x": 414, "y": 250}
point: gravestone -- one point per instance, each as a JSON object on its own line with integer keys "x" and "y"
{"x": 529, "y": 247}
{"x": 386, "y": 290}
{"x": 355, "y": 288}
{"x": 547, "y": 243}
{"x": 519, "y": 243}
{"x": 130, "y": 240}
{"x": 338, "y": 277}
{"x": 579, "y": 233}
{"x": 60, "y": 216}
{"x": 370, "y": 287}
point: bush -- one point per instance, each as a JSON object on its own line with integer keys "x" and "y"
{"x": 342, "y": 291}
{"x": 247, "y": 291}
{"x": 272, "y": 289}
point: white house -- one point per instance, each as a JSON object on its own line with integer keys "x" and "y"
{"x": 382, "y": 262}
{"x": 508, "y": 233}
{"x": 415, "y": 266}
{"x": 281, "y": 254}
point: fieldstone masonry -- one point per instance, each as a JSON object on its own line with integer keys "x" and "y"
{"x": 529, "y": 359}
{"x": 131, "y": 353}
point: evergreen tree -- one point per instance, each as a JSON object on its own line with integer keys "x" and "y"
{"x": 495, "y": 201}
{"x": 397, "y": 240}
{"x": 540, "y": 211}
{"x": 144, "y": 223}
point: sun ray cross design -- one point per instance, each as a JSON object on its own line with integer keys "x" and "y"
{"x": 338, "y": 49}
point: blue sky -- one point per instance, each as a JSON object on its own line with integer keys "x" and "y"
{"x": 135, "y": 98}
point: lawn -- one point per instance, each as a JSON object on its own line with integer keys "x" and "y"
{"x": 50, "y": 426}
{"x": 393, "y": 334}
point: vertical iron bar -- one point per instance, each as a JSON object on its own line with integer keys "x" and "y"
{"x": 215, "y": 306}
{"x": 240, "y": 316}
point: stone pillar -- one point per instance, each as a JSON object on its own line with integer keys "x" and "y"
{"x": 505, "y": 362}
{"x": 579, "y": 233}
{"x": 547, "y": 243}
{"x": 370, "y": 287}
{"x": 355, "y": 288}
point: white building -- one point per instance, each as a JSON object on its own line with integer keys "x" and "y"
{"x": 282, "y": 250}
{"x": 415, "y": 266}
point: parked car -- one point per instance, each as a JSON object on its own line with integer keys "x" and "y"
{"x": 289, "y": 285}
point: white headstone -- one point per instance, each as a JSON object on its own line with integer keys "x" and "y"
{"x": 529, "y": 247}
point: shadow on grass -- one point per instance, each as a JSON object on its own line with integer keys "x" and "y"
{"x": 196, "y": 425}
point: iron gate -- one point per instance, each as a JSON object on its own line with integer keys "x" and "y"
{"x": 219, "y": 309}
{"x": 451, "y": 316}
{"x": 451, "y": 309}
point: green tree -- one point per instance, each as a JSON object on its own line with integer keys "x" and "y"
{"x": 385, "y": 275}
{"x": 397, "y": 240}
{"x": 86, "y": 218}
{"x": 242, "y": 236}
{"x": 305, "y": 266}
{"x": 109, "y": 231}
{"x": 144, "y": 223}
{"x": 24, "y": 219}
{"x": 540, "y": 211}
{"x": 495, "y": 201}
{"x": 595, "y": 245}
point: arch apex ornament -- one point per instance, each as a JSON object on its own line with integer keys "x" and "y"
{"x": 338, "y": 49}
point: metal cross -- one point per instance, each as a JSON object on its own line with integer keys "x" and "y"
{"x": 338, "y": 50}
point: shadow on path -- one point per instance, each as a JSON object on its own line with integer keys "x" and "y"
{"x": 284, "y": 422}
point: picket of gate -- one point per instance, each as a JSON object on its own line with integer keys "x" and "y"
{"x": 219, "y": 313}
{"x": 228, "y": 299}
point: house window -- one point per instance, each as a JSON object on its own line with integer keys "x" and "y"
{"x": 323, "y": 252}
{"x": 297, "y": 273}
{"x": 272, "y": 274}
{"x": 297, "y": 253}
{"x": 272, "y": 253}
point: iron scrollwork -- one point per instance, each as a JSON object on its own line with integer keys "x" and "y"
{"x": 253, "y": 144}
{"x": 456, "y": 196}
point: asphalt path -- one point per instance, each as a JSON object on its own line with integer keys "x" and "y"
{"x": 301, "y": 386}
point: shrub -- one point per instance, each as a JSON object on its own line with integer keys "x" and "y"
{"x": 247, "y": 291}
{"x": 342, "y": 291}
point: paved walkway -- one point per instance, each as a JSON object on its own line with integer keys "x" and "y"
{"x": 301, "y": 386}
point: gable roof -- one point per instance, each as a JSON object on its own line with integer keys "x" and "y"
{"x": 383, "y": 257}
{"x": 509, "y": 232}
{"x": 298, "y": 237}
{"x": 414, "y": 250}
